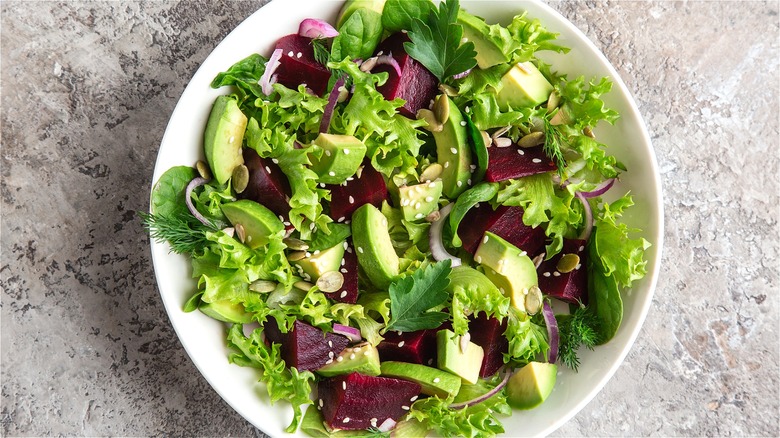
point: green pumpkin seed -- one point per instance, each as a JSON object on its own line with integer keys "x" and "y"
{"x": 431, "y": 172}
{"x": 295, "y": 256}
{"x": 330, "y": 281}
{"x": 240, "y": 232}
{"x": 303, "y": 285}
{"x": 588, "y": 132}
{"x": 533, "y": 300}
{"x": 486, "y": 138}
{"x": 240, "y": 178}
{"x": 441, "y": 109}
{"x": 448, "y": 90}
{"x": 531, "y": 140}
{"x": 430, "y": 119}
{"x": 553, "y": 101}
{"x": 295, "y": 244}
{"x": 263, "y": 286}
{"x": 203, "y": 169}
{"x": 568, "y": 263}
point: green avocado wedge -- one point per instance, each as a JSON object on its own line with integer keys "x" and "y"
{"x": 224, "y": 137}
{"x": 452, "y": 149}
{"x": 258, "y": 222}
{"x": 375, "y": 252}
{"x": 531, "y": 385}
{"x": 226, "y": 311}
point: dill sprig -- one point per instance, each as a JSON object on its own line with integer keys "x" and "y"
{"x": 182, "y": 231}
{"x": 553, "y": 142}
{"x": 321, "y": 51}
{"x": 576, "y": 330}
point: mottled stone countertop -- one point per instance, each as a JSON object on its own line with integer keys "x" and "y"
{"x": 88, "y": 87}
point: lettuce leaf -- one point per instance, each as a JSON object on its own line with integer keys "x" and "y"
{"x": 527, "y": 340}
{"x": 471, "y": 293}
{"x": 532, "y": 37}
{"x": 281, "y": 382}
{"x": 618, "y": 255}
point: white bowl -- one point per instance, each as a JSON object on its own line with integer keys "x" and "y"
{"x": 204, "y": 338}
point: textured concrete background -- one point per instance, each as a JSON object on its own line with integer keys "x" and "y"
{"x": 87, "y": 89}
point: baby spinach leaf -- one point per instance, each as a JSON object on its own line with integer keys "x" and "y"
{"x": 358, "y": 36}
{"x": 398, "y": 15}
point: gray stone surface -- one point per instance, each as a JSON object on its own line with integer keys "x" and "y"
{"x": 87, "y": 89}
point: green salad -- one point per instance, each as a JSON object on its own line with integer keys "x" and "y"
{"x": 387, "y": 209}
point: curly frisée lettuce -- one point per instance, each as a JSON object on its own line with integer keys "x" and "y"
{"x": 425, "y": 292}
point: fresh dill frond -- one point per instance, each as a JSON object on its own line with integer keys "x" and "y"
{"x": 553, "y": 142}
{"x": 182, "y": 231}
{"x": 321, "y": 51}
{"x": 576, "y": 330}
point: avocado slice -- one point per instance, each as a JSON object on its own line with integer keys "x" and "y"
{"x": 223, "y": 138}
{"x": 431, "y": 380}
{"x": 320, "y": 262}
{"x": 523, "y": 86}
{"x": 350, "y": 6}
{"x": 531, "y": 385}
{"x": 375, "y": 252}
{"x": 227, "y": 311}
{"x": 508, "y": 267}
{"x": 419, "y": 200}
{"x": 458, "y": 356}
{"x": 476, "y": 30}
{"x": 259, "y": 223}
{"x": 362, "y": 358}
{"x": 341, "y": 157}
{"x": 453, "y": 152}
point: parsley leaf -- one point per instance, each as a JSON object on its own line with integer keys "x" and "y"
{"x": 412, "y": 296}
{"x": 436, "y": 42}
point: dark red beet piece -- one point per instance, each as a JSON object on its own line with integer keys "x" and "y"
{"x": 267, "y": 183}
{"x": 414, "y": 347}
{"x": 488, "y": 333}
{"x": 505, "y": 222}
{"x": 295, "y": 70}
{"x": 514, "y": 162}
{"x": 305, "y": 347}
{"x": 571, "y": 287}
{"x": 416, "y": 85}
{"x": 349, "y": 291}
{"x": 368, "y": 188}
{"x": 356, "y": 401}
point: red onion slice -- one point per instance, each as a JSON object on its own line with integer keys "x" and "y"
{"x": 484, "y": 396}
{"x": 350, "y": 332}
{"x": 552, "y": 331}
{"x": 461, "y": 75}
{"x": 314, "y": 28}
{"x": 389, "y": 60}
{"x": 333, "y": 99}
{"x": 268, "y": 77}
{"x": 387, "y": 425}
{"x": 600, "y": 189}
{"x": 435, "y": 240}
{"x": 585, "y": 235}
{"x": 195, "y": 183}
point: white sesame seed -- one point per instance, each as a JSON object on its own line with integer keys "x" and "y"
{"x": 330, "y": 344}
{"x": 339, "y": 359}
{"x": 316, "y": 252}
{"x": 321, "y": 403}
{"x": 432, "y": 185}
{"x": 231, "y": 139}
{"x": 346, "y": 419}
{"x": 343, "y": 294}
{"x": 281, "y": 218}
{"x": 344, "y": 385}
{"x": 501, "y": 289}
{"x": 406, "y": 408}
{"x": 404, "y": 202}
{"x": 345, "y": 245}
{"x": 328, "y": 153}
{"x": 556, "y": 274}
{"x": 463, "y": 123}
{"x": 525, "y": 291}
{"x": 536, "y": 160}
{"x": 546, "y": 274}
{"x": 469, "y": 181}
{"x": 417, "y": 205}
{"x": 329, "y": 361}
{"x": 346, "y": 151}
{"x": 428, "y": 198}
{"x": 446, "y": 164}
{"x": 349, "y": 250}
{"x": 459, "y": 183}
{"x": 367, "y": 352}
{"x": 582, "y": 248}
{"x": 436, "y": 380}
{"x": 275, "y": 160}
{"x": 523, "y": 253}
{"x": 454, "y": 151}
{"x": 360, "y": 249}
{"x": 343, "y": 262}
{"x": 478, "y": 259}
{"x": 418, "y": 216}
{"x": 401, "y": 344}
{"x": 473, "y": 167}
{"x": 351, "y": 199}
{"x": 330, "y": 354}
{"x": 290, "y": 54}
{"x": 286, "y": 224}
{"x": 413, "y": 398}
{"x": 341, "y": 219}
{"x": 343, "y": 270}
{"x": 322, "y": 185}
{"x": 468, "y": 108}
{"x": 430, "y": 361}
{"x": 268, "y": 169}
{"x": 298, "y": 55}
{"x": 332, "y": 173}
{"x": 520, "y": 151}
{"x": 373, "y": 422}
{"x": 577, "y": 268}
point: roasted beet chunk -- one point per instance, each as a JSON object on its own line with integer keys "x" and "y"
{"x": 416, "y": 85}
{"x": 515, "y": 162}
{"x": 349, "y": 269}
{"x": 356, "y": 401}
{"x": 570, "y": 286}
{"x": 415, "y": 347}
{"x": 298, "y": 65}
{"x": 488, "y": 333}
{"x": 267, "y": 183}
{"x": 305, "y": 347}
{"x": 367, "y": 188}
{"x": 505, "y": 222}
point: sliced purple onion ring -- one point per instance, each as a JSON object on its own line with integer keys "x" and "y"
{"x": 552, "y": 331}
{"x": 314, "y": 28}
{"x": 195, "y": 183}
{"x": 600, "y": 189}
{"x": 461, "y": 75}
{"x": 387, "y": 425}
{"x": 585, "y": 235}
{"x": 350, "y": 332}
{"x": 333, "y": 99}
{"x": 484, "y": 396}
{"x": 389, "y": 60}
{"x": 435, "y": 240}
{"x": 268, "y": 77}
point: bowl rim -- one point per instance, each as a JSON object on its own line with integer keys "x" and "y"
{"x": 654, "y": 257}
